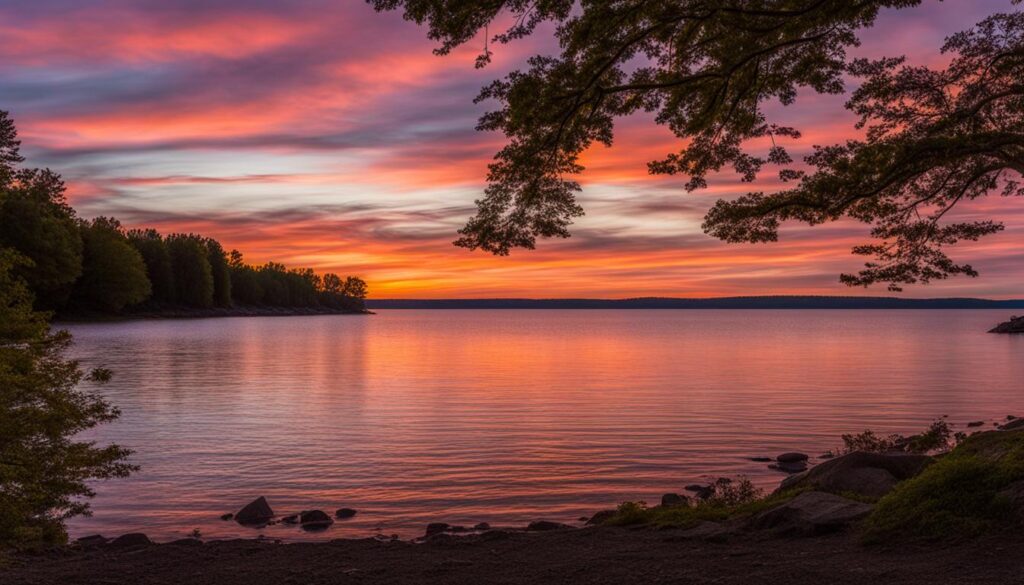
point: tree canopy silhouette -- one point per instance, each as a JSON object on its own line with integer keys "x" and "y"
{"x": 705, "y": 68}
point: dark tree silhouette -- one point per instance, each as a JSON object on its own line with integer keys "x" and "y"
{"x": 935, "y": 138}
{"x": 193, "y": 276}
{"x": 705, "y": 67}
{"x": 45, "y": 470}
{"x": 113, "y": 271}
{"x": 154, "y": 252}
{"x": 37, "y": 221}
{"x": 220, "y": 272}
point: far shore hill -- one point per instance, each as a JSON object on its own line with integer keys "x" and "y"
{"x": 751, "y": 302}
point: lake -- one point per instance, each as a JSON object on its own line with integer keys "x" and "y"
{"x": 508, "y": 416}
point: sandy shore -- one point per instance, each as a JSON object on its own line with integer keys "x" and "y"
{"x": 599, "y": 555}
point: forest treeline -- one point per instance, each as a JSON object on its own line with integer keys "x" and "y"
{"x": 72, "y": 265}
{"x": 76, "y": 265}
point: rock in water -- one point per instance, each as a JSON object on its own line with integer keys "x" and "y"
{"x": 866, "y": 474}
{"x": 1014, "y": 325}
{"x": 812, "y": 513}
{"x": 255, "y": 513}
{"x": 343, "y": 513}
{"x": 315, "y": 520}
{"x": 132, "y": 539}
{"x": 792, "y": 457}
{"x": 790, "y": 467}
{"x": 227, "y": 516}
{"x": 482, "y": 526}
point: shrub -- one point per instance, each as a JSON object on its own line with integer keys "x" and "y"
{"x": 963, "y": 494}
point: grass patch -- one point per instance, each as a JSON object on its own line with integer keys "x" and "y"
{"x": 730, "y": 499}
{"x": 956, "y": 497}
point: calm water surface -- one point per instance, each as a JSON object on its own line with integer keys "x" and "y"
{"x": 509, "y": 416}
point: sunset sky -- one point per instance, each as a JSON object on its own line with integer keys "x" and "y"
{"x": 320, "y": 133}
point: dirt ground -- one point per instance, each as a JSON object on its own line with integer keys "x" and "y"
{"x": 594, "y": 555}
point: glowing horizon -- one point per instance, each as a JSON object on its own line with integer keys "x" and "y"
{"x": 327, "y": 135}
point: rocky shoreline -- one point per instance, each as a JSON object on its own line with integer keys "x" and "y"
{"x": 1014, "y": 325}
{"x": 809, "y": 530}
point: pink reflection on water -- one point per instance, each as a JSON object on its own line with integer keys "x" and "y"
{"x": 509, "y": 416}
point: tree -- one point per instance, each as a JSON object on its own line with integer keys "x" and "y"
{"x": 354, "y": 287}
{"x": 38, "y": 223}
{"x": 193, "y": 275}
{"x": 113, "y": 271}
{"x": 705, "y": 67}
{"x": 332, "y": 283}
{"x": 935, "y": 139}
{"x": 220, "y": 272}
{"x": 44, "y": 471}
{"x": 153, "y": 249}
{"x": 245, "y": 285}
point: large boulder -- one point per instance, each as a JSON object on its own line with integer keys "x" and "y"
{"x": 812, "y": 513}
{"x": 867, "y": 474}
{"x": 1013, "y": 425}
{"x": 255, "y": 513}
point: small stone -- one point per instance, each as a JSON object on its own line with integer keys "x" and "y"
{"x": 761, "y": 459}
{"x": 482, "y": 526}
{"x": 343, "y": 513}
{"x": 315, "y": 520}
{"x": 975, "y": 423}
{"x": 227, "y": 516}
{"x": 293, "y": 519}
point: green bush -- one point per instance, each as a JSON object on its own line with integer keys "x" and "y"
{"x": 961, "y": 495}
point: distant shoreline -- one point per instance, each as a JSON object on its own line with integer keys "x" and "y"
{"x": 751, "y": 302}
